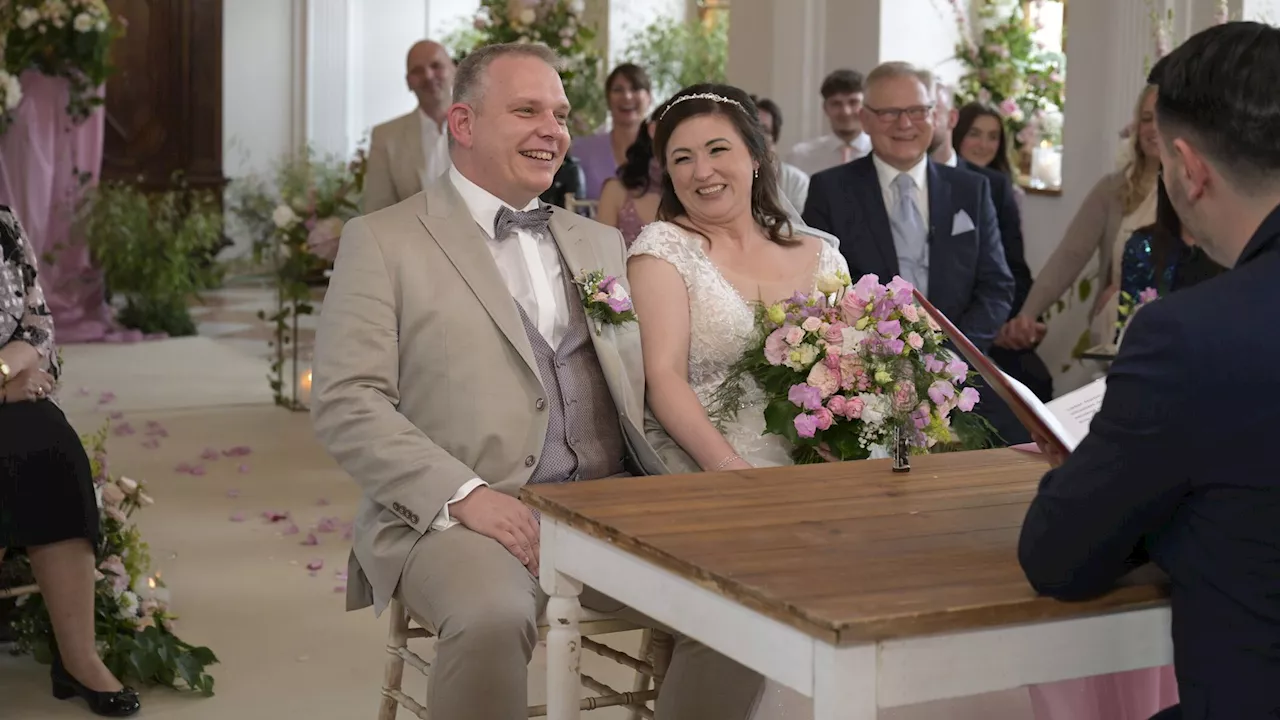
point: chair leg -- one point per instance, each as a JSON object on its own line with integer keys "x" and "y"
{"x": 393, "y": 671}
{"x": 662, "y": 647}
{"x": 642, "y": 680}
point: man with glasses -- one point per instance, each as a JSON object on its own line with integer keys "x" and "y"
{"x": 897, "y": 212}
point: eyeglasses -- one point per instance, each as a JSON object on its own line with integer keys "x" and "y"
{"x": 918, "y": 113}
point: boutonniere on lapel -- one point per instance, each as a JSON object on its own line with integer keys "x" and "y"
{"x": 604, "y": 299}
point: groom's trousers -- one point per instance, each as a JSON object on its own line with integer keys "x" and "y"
{"x": 484, "y": 606}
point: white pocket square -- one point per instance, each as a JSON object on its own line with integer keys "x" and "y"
{"x": 962, "y": 224}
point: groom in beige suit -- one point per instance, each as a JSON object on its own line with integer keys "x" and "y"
{"x": 454, "y": 364}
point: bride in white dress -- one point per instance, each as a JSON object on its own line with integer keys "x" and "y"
{"x": 722, "y": 244}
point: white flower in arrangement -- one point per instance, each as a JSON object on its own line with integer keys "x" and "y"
{"x": 55, "y": 10}
{"x": 27, "y": 18}
{"x": 83, "y": 23}
{"x": 129, "y": 605}
{"x": 284, "y": 216}
{"x": 875, "y": 408}
{"x": 11, "y": 89}
{"x": 577, "y": 7}
{"x": 128, "y": 484}
{"x": 566, "y": 43}
{"x": 528, "y": 16}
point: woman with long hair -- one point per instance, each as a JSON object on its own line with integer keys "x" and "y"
{"x": 1119, "y": 203}
{"x": 1163, "y": 256}
{"x": 980, "y": 137}
{"x": 630, "y": 200}
{"x": 628, "y": 93}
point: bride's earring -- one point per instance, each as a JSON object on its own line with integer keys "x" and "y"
{"x": 757, "y": 174}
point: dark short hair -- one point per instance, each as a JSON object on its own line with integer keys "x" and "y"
{"x": 634, "y": 74}
{"x": 775, "y": 113}
{"x": 766, "y": 204}
{"x": 842, "y": 82}
{"x": 1218, "y": 89}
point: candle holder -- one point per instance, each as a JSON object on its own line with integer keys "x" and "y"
{"x": 901, "y": 451}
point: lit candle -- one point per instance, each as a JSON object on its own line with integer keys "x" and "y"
{"x": 304, "y": 386}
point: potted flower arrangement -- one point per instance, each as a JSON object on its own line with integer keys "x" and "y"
{"x": 296, "y": 220}
{"x": 10, "y": 98}
{"x": 133, "y": 620}
{"x": 66, "y": 39}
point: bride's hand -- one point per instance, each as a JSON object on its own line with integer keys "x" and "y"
{"x": 826, "y": 453}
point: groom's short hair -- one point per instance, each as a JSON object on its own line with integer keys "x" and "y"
{"x": 468, "y": 81}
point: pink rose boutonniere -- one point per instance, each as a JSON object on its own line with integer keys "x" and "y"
{"x": 605, "y": 300}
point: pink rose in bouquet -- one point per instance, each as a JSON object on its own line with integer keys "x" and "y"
{"x": 849, "y": 370}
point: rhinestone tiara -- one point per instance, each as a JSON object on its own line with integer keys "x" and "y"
{"x": 701, "y": 96}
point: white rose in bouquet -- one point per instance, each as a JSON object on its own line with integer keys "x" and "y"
{"x": 284, "y": 216}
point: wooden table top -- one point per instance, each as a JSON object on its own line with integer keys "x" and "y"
{"x": 848, "y": 552}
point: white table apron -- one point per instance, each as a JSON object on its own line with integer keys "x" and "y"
{"x": 846, "y": 683}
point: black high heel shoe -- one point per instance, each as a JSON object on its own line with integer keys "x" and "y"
{"x": 122, "y": 703}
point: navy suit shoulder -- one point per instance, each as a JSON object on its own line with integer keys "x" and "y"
{"x": 1180, "y": 467}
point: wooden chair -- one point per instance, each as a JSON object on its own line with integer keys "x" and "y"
{"x": 650, "y": 668}
{"x": 586, "y": 208}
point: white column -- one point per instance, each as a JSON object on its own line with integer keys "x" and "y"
{"x": 329, "y": 65}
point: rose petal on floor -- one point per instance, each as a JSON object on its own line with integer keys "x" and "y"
{"x": 237, "y": 517}
{"x": 311, "y": 539}
{"x": 237, "y": 451}
{"x": 115, "y": 415}
{"x": 243, "y": 469}
{"x": 339, "y": 588}
{"x": 151, "y": 444}
{"x": 209, "y": 454}
{"x": 322, "y": 502}
{"x": 328, "y": 525}
{"x": 106, "y": 397}
{"x": 123, "y": 429}
{"x": 233, "y": 493}
{"x": 197, "y": 470}
{"x": 316, "y": 564}
{"x": 275, "y": 515}
{"x": 291, "y": 530}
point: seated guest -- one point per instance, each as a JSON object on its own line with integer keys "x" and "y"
{"x": 408, "y": 153}
{"x": 899, "y": 213}
{"x": 630, "y": 200}
{"x": 792, "y": 181}
{"x": 979, "y": 136}
{"x": 628, "y": 94}
{"x": 47, "y": 502}
{"x": 568, "y": 182}
{"x": 1163, "y": 256}
{"x": 842, "y": 94}
{"x": 1023, "y": 364}
{"x": 1178, "y": 466}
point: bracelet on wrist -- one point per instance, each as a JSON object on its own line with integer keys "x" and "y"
{"x": 726, "y": 461}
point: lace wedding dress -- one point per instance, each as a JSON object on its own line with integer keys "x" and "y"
{"x": 721, "y": 325}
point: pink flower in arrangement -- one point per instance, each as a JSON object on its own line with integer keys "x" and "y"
{"x": 837, "y": 404}
{"x": 853, "y": 408}
{"x": 889, "y": 328}
{"x": 115, "y": 513}
{"x": 852, "y": 373}
{"x": 811, "y": 324}
{"x": 112, "y": 495}
{"x": 968, "y": 398}
{"x": 957, "y": 369}
{"x": 806, "y": 425}
{"x": 824, "y": 379}
{"x": 775, "y": 346}
{"x": 941, "y": 391}
{"x": 933, "y": 364}
{"x": 1148, "y": 295}
{"x": 904, "y": 397}
{"x": 868, "y": 289}
{"x": 852, "y": 308}
{"x": 805, "y": 396}
{"x": 921, "y": 417}
{"x": 910, "y": 313}
{"x": 893, "y": 347}
{"x": 795, "y": 335}
{"x": 823, "y": 418}
{"x": 915, "y": 341}
{"x": 834, "y": 333}
{"x": 901, "y": 291}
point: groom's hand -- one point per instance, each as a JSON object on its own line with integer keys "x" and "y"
{"x": 503, "y": 518}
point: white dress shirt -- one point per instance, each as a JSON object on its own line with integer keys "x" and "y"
{"x": 828, "y": 151}
{"x": 435, "y": 149}
{"x": 794, "y": 184}
{"x": 531, "y": 268}
{"x": 918, "y": 172}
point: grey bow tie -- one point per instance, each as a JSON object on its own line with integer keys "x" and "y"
{"x": 534, "y": 221}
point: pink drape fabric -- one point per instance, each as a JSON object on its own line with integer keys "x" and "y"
{"x": 40, "y": 156}
{"x": 1134, "y": 695}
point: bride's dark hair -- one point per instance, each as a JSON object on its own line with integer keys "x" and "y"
{"x": 766, "y": 208}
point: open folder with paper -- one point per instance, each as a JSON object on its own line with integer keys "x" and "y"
{"x": 1062, "y": 423}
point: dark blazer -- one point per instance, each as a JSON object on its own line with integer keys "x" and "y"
{"x": 1180, "y": 467}
{"x": 969, "y": 280}
{"x": 1010, "y": 219}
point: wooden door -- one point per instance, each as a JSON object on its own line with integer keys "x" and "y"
{"x": 164, "y": 102}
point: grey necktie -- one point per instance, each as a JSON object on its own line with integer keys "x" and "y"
{"x": 534, "y": 221}
{"x": 910, "y": 236}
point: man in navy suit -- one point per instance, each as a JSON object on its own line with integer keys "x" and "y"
{"x": 896, "y": 212}
{"x": 1180, "y": 465}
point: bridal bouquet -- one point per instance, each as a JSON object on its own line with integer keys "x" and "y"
{"x": 851, "y": 371}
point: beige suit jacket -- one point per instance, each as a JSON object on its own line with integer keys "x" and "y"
{"x": 424, "y": 377}
{"x": 394, "y": 172}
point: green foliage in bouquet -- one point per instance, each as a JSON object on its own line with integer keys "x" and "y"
{"x": 559, "y": 25}
{"x": 134, "y": 629}
{"x": 296, "y": 219}
{"x": 62, "y": 38}
{"x": 154, "y": 249}
{"x": 680, "y": 54}
{"x": 1008, "y": 67}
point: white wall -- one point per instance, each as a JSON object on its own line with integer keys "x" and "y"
{"x": 258, "y": 120}
{"x": 444, "y": 16}
{"x": 387, "y": 29}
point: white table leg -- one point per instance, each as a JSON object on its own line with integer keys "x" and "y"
{"x": 844, "y": 682}
{"x": 564, "y": 640}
